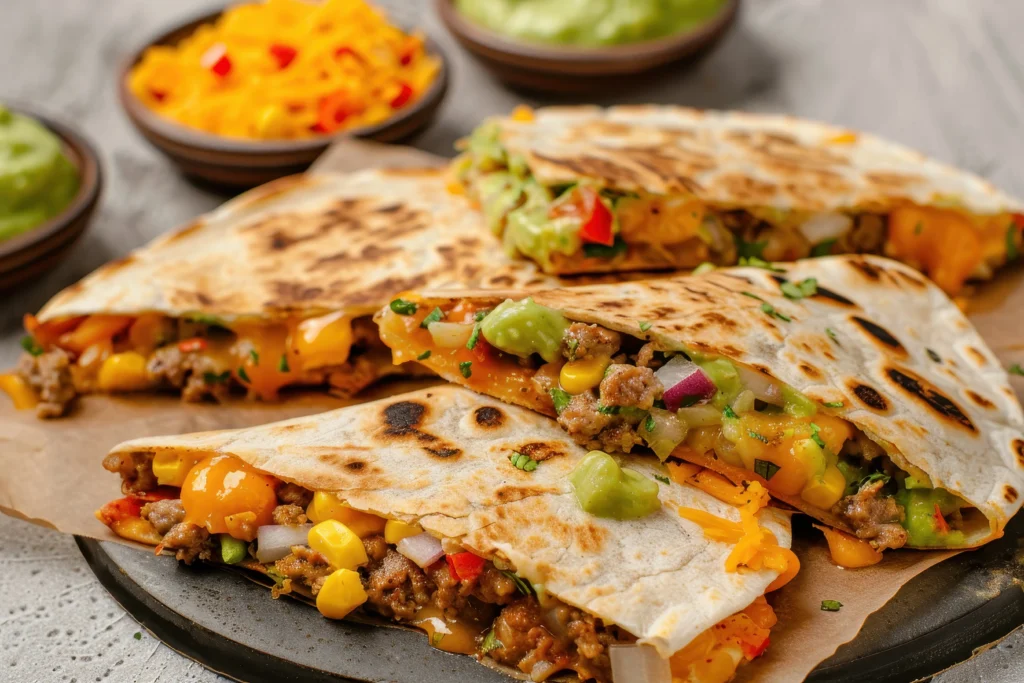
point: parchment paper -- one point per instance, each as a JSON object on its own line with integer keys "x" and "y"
{"x": 50, "y": 471}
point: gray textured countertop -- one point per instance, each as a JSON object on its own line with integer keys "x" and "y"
{"x": 944, "y": 76}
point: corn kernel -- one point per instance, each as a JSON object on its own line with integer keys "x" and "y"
{"x": 395, "y": 530}
{"x": 323, "y": 341}
{"x": 325, "y": 506}
{"x": 522, "y": 113}
{"x": 137, "y": 529}
{"x": 455, "y": 187}
{"x": 847, "y": 138}
{"x": 19, "y": 391}
{"x": 123, "y": 372}
{"x": 578, "y": 376}
{"x": 170, "y": 468}
{"x": 335, "y": 541}
{"x": 826, "y": 491}
{"x": 341, "y": 593}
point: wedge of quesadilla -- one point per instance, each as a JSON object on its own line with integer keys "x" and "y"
{"x": 851, "y": 387}
{"x": 480, "y": 523}
{"x": 275, "y": 289}
{"x": 581, "y": 189}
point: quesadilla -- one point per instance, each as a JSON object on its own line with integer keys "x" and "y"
{"x": 851, "y": 387}
{"x": 583, "y": 189}
{"x": 273, "y": 290}
{"x": 480, "y": 523}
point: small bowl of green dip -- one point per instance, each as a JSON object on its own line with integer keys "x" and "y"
{"x": 584, "y": 45}
{"x": 49, "y": 185}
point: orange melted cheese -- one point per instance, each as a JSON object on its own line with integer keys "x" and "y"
{"x": 714, "y": 655}
{"x": 222, "y": 487}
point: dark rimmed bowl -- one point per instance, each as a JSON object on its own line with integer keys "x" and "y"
{"x": 241, "y": 164}
{"x": 537, "y": 66}
{"x": 29, "y": 255}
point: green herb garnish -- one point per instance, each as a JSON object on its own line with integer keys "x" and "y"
{"x": 480, "y": 315}
{"x": 1016, "y": 369}
{"x": 282, "y": 365}
{"x": 403, "y": 307}
{"x": 204, "y": 319}
{"x": 436, "y": 639}
{"x": 216, "y": 378}
{"x": 255, "y": 357}
{"x": 873, "y": 477}
{"x": 771, "y": 311}
{"x": 644, "y": 325}
{"x": 730, "y": 413}
{"x": 474, "y": 337}
{"x": 765, "y": 469}
{"x": 603, "y": 250}
{"x": 815, "y": 436}
{"x": 831, "y": 605}
{"x": 423, "y": 356}
{"x": 755, "y": 262}
{"x": 491, "y": 642}
{"x": 29, "y": 344}
{"x": 466, "y": 368}
{"x": 833, "y": 404}
{"x": 608, "y": 410}
{"x": 243, "y": 375}
{"x": 649, "y": 423}
{"x": 822, "y": 248}
{"x": 798, "y": 290}
{"x": 705, "y": 267}
{"x": 137, "y": 636}
{"x": 277, "y": 576}
{"x": 522, "y": 584}
{"x": 561, "y": 399}
{"x": 832, "y": 334}
{"x": 748, "y": 250}
{"x": 572, "y": 345}
{"x": 754, "y": 435}
{"x": 432, "y": 317}
{"x": 523, "y": 462}
{"x": 662, "y": 479}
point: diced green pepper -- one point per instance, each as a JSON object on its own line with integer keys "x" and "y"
{"x": 523, "y": 328}
{"x": 796, "y": 404}
{"x": 604, "y": 489}
{"x": 920, "y": 520}
{"x": 232, "y": 551}
{"x": 853, "y": 475}
{"x": 724, "y": 376}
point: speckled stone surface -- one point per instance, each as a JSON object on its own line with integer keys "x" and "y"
{"x": 945, "y": 76}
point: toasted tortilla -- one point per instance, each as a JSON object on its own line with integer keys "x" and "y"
{"x": 440, "y": 458}
{"x": 898, "y": 353}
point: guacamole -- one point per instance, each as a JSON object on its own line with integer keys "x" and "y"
{"x": 37, "y": 181}
{"x": 588, "y": 23}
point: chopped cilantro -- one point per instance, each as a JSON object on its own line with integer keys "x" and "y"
{"x": 432, "y": 317}
{"x": 491, "y": 642}
{"x": 436, "y": 639}
{"x": 572, "y": 345}
{"x": 831, "y": 605}
{"x": 822, "y": 248}
{"x": 608, "y": 410}
{"x": 1016, "y": 369}
{"x": 521, "y": 461}
{"x": 216, "y": 378}
{"x": 423, "y": 356}
{"x": 243, "y": 375}
{"x": 560, "y": 398}
{"x": 1012, "y": 251}
{"x": 255, "y": 357}
{"x": 29, "y": 344}
{"x": 466, "y": 368}
{"x": 918, "y": 228}
{"x": 649, "y": 423}
{"x": 403, "y": 307}
{"x": 729, "y": 413}
{"x": 705, "y": 267}
{"x": 754, "y": 435}
{"x": 137, "y": 636}
{"x": 644, "y": 326}
{"x": 480, "y": 315}
{"x": 798, "y": 290}
{"x": 833, "y": 404}
{"x": 815, "y": 436}
{"x": 934, "y": 356}
{"x": 660, "y": 403}
{"x": 603, "y": 250}
{"x": 871, "y": 478}
{"x": 522, "y": 584}
{"x": 752, "y": 295}
{"x": 746, "y": 249}
{"x": 770, "y": 310}
{"x": 831, "y": 334}
{"x": 277, "y": 576}
{"x": 765, "y": 469}
{"x": 662, "y": 479}
{"x": 755, "y": 262}
{"x": 282, "y": 365}
{"x": 474, "y": 337}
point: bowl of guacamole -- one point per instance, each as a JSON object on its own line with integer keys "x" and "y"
{"x": 49, "y": 184}
{"x": 578, "y": 45}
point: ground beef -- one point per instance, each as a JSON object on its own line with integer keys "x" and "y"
{"x": 494, "y": 587}
{"x": 520, "y": 629}
{"x": 290, "y": 514}
{"x": 591, "y": 640}
{"x": 546, "y": 378}
{"x": 136, "y": 470}
{"x": 588, "y": 341}
{"x": 163, "y": 514}
{"x": 191, "y": 542}
{"x": 866, "y": 236}
{"x": 189, "y": 372}
{"x": 353, "y": 376}
{"x": 875, "y": 518}
{"x": 629, "y": 385}
{"x": 306, "y": 566}
{"x": 376, "y": 548}
{"x": 582, "y": 420}
{"x": 293, "y": 494}
{"x": 645, "y": 357}
{"x": 449, "y": 595}
{"x": 395, "y": 587}
{"x": 49, "y": 374}
{"x": 620, "y": 437}
{"x": 365, "y": 334}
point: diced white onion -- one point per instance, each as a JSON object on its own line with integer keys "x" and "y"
{"x": 669, "y": 431}
{"x": 744, "y": 403}
{"x": 274, "y": 541}
{"x": 423, "y": 549}
{"x": 700, "y": 416}
{"x": 450, "y": 335}
{"x": 638, "y": 664}
{"x": 825, "y": 226}
{"x": 541, "y": 671}
{"x": 765, "y": 388}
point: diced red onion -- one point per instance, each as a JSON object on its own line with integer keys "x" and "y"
{"x": 825, "y": 226}
{"x": 423, "y": 549}
{"x": 639, "y": 664}
{"x": 669, "y": 431}
{"x": 450, "y": 335}
{"x": 684, "y": 381}
{"x": 765, "y": 388}
{"x": 276, "y": 540}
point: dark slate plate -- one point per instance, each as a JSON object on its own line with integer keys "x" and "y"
{"x": 231, "y": 626}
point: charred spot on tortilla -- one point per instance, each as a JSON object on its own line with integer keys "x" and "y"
{"x": 403, "y": 418}
{"x": 541, "y": 451}
{"x": 870, "y": 397}
{"x": 912, "y": 279}
{"x": 1018, "y": 448}
{"x": 880, "y": 334}
{"x": 826, "y": 293}
{"x": 979, "y": 399}
{"x": 355, "y": 465}
{"x": 489, "y": 416}
{"x": 934, "y": 356}
{"x": 931, "y": 396}
{"x": 810, "y": 371}
{"x": 868, "y": 270}
{"x": 119, "y": 263}
{"x": 977, "y": 356}
{"x": 443, "y": 451}
{"x": 185, "y": 231}
{"x": 1010, "y": 494}
{"x": 292, "y": 292}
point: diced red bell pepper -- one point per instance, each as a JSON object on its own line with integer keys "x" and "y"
{"x": 483, "y": 351}
{"x": 284, "y": 54}
{"x": 216, "y": 60}
{"x": 753, "y": 652}
{"x": 595, "y": 218}
{"x": 333, "y": 111}
{"x": 403, "y": 96}
{"x": 940, "y": 522}
{"x": 119, "y": 509}
{"x": 158, "y": 95}
{"x": 1018, "y": 219}
{"x": 192, "y": 345}
{"x": 465, "y": 566}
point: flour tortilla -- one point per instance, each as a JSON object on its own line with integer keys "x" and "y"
{"x": 440, "y": 458}
{"x": 905, "y": 362}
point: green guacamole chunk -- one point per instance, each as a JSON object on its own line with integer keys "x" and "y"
{"x": 921, "y": 523}
{"x": 523, "y": 328}
{"x": 588, "y": 22}
{"x": 604, "y": 489}
{"x": 37, "y": 181}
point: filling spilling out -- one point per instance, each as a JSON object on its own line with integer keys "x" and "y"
{"x": 216, "y": 508}
{"x": 200, "y": 356}
{"x": 584, "y": 226}
{"x": 617, "y": 392}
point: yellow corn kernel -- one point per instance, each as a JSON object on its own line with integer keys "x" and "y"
{"x": 455, "y": 187}
{"x": 341, "y": 593}
{"x": 578, "y": 376}
{"x": 395, "y": 530}
{"x": 847, "y": 138}
{"x": 335, "y": 541}
{"x": 19, "y": 391}
{"x": 242, "y": 526}
{"x": 170, "y": 468}
{"x": 271, "y": 122}
{"x": 325, "y": 506}
{"x": 123, "y": 372}
{"x": 825, "y": 492}
{"x": 137, "y": 529}
{"x": 522, "y": 113}
{"x": 323, "y": 341}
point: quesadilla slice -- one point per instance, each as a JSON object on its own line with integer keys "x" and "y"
{"x": 480, "y": 523}
{"x": 583, "y": 189}
{"x": 851, "y": 387}
{"x": 273, "y": 290}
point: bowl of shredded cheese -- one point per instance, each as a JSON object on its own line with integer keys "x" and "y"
{"x": 259, "y": 90}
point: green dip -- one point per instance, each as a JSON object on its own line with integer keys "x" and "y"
{"x": 37, "y": 181}
{"x": 588, "y": 23}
